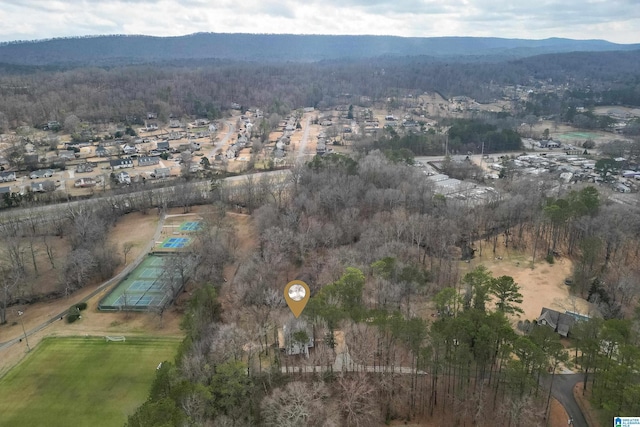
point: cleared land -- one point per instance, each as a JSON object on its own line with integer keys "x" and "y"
{"x": 540, "y": 287}
{"x": 82, "y": 381}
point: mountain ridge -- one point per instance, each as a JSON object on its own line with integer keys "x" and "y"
{"x": 110, "y": 49}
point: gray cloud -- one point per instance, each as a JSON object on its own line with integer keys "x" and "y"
{"x": 614, "y": 20}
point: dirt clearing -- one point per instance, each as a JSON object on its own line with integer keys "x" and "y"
{"x": 542, "y": 286}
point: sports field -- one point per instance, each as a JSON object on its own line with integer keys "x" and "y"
{"x": 577, "y": 136}
{"x": 82, "y": 381}
{"x": 144, "y": 287}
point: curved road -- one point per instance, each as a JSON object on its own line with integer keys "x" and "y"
{"x": 562, "y": 390}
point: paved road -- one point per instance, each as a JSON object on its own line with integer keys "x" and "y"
{"x": 62, "y": 209}
{"x": 219, "y": 144}
{"x": 563, "y": 391}
{"x": 303, "y": 143}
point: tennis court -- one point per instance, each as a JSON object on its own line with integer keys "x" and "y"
{"x": 150, "y": 273}
{"x": 145, "y": 287}
{"x": 190, "y": 226}
{"x": 175, "y": 242}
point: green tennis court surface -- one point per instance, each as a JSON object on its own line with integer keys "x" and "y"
{"x": 81, "y": 381}
{"x": 146, "y": 286}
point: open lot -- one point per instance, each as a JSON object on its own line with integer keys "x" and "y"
{"x": 82, "y": 381}
{"x": 542, "y": 286}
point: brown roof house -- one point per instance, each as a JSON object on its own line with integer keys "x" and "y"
{"x": 559, "y": 322}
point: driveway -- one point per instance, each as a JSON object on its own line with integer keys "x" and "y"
{"x": 563, "y": 391}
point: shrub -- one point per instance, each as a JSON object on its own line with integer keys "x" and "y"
{"x": 73, "y": 314}
{"x": 72, "y": 317}
{"x": 549, "y": 258}
{"x": 81, "y": 306}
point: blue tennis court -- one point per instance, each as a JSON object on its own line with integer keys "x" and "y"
{"x": 190, "y": 226}
{"x": 175, "y": 242}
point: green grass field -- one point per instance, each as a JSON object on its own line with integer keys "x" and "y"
{"x": 81, "y": 381}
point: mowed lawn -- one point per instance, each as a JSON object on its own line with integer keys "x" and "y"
{"x": 82, "y": 381}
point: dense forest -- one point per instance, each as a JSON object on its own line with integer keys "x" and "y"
{"x": 206, "y": 88}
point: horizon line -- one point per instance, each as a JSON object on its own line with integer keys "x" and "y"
{"x": 91, "y": 36}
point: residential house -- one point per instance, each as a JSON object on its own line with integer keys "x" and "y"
{"x": 101, "y": 151}
{"x": 173, "y": 123}
{"x": 184, "y": 148}
{"x": 212, "y": 128}
{"x": 161, "y": 173}
{"x": 559, "y": 322}
{"x": 43, "y": 187}
{"x": 150, "y": 127}
{"x": 120, "y": 163}
{"x": 552, "y": 144}
{"x": 84, "y": 183}
{"x": 321, "y": 148}
{"x": 5, "y": 190}
{"x": 152, "y": 116}
{"x": 232, "y": 152}
{"x": 66, "y": 155}
{"x": 148, "y": 160}
{"x": 123, "y": 178}
{"x": 128, "y": 149}
{"x": 7, "y": 176}
{"x": 296, "y": 337}
{"x": 41, "y": 173}
{"x": 243, "y": 140}
{"x": 84, "y": 168}
{"x": 53, "y": 125}
{"x": 162, "y": 146}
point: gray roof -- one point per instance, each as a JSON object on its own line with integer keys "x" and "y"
{"x": 559, "y": 322}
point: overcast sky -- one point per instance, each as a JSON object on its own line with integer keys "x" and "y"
{"x": 613, "y": 20}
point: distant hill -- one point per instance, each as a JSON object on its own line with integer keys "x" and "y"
{"x": 120, "y": 49}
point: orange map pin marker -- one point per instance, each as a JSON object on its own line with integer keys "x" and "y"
{"x": 297, "y": 294}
